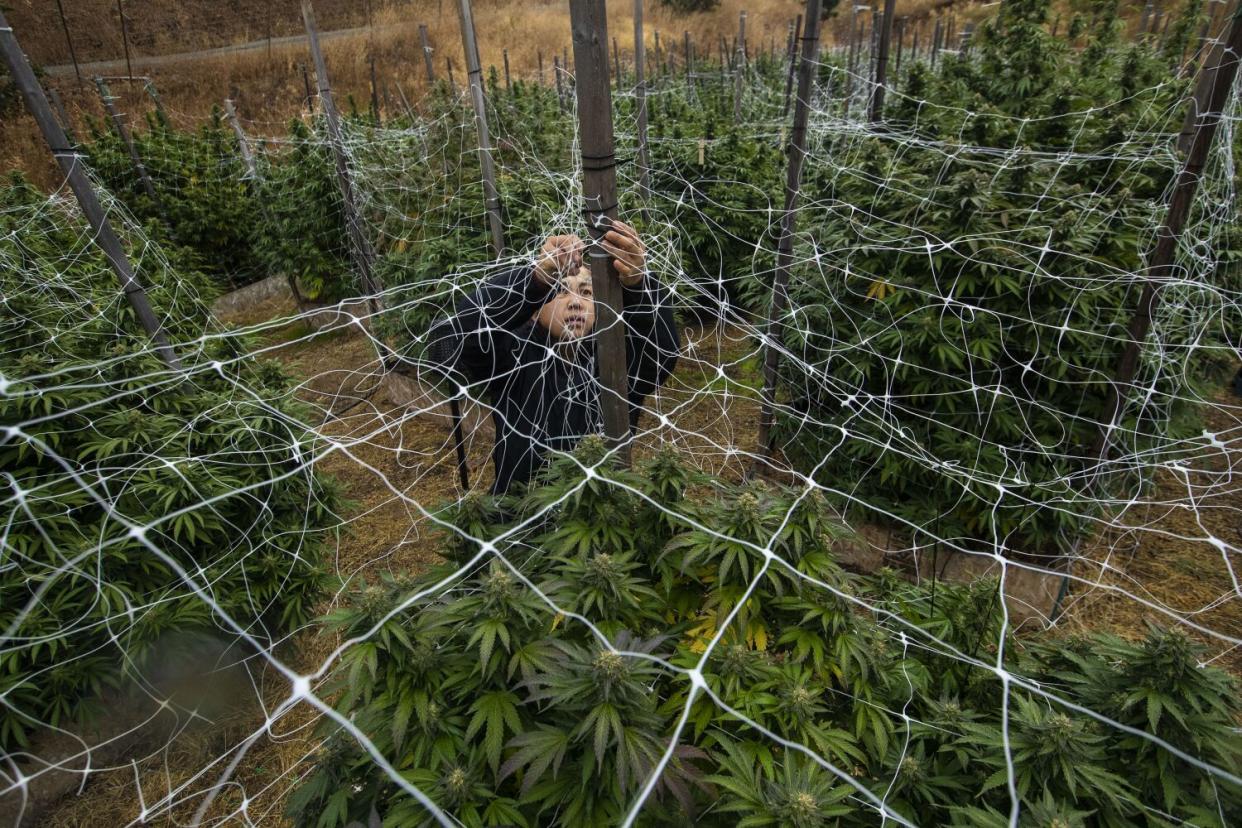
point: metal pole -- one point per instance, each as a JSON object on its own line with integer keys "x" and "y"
{"x": 448, "y": 62}
{"x": 508, "y": 78}
{"x": 640, "y": 90}
{"x": 73, "y": 55}
{"x": 784, "y": 252}
{"x": 243, "y": 145}
{"x": 375, "y": 106}
{"x": 474, "y": 76}
{"x": 556, "y": 71}
{"x": 129, "y": 69}
{"x": 1160, "y": 264}
{"x": 360, "y": 247}
{"x": 901, "y": 42}
{"x": 422, "y": 36}
{"x": 616, "y": 63}
{"x": 881, "y": 62}
{"x": 69, "y": 161}
{"x": 589, "y": 23}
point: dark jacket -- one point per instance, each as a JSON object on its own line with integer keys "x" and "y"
{"x": 543, "y": 397}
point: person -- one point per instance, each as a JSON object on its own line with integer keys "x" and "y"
{"x": 525, "y": 337}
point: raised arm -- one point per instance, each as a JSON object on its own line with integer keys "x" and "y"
{"x": 477, "y": 339}
{"x": 652, "y": 341}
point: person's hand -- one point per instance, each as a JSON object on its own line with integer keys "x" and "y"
{"x": 559, "y": 256}
{"x": 629, "y": 256}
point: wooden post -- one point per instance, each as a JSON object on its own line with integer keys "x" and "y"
{"x": 73, "y": 55}
{"x": 427, "y": 63}
{"x": 360, "y": 247}
{"x": 794, "y": 41}
{"x": 901, "y": 38}
{"x": 914, "y": 41}
{"x": 784, "y": 250}
{"x": 1142, "y": 27}
{"x": 1222, "y": 72}
{"x": 375, "y": 106}
{"x": 881, "y": 62}
{"x": 508, "y": 77}
{"x": 685, "y": 48}
{"x": 739, "y": 76}
{"x": 149, "y": 87}
{"x": 640, "y": 91}
{"x": 616, "y": 63}
{"x": 560, "y": 93}
{"x": 448, "y": 63}
{"x": 474, "y": 76}
{"x": 589, "y": 23}
{"x": 935, "y": 44}
{"x": 129, "y": 69}
{"x": 656, "y": 71}
{"x": 70, "y": 164}
{"x": 118, "y": 123}
{"x": 540, "y": 53}
{"x": 310, "y": 98}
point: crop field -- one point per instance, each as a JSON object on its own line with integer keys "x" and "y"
{"x": 581, "y": 414}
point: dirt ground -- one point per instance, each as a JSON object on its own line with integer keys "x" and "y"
{"x": 396, "y": 463}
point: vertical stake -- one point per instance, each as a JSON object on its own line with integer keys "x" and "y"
{"x": 149, "y": 87}
{"x": 375, "y": 106}
{"x": 739, "y": 76}
{"x": 560, "y": 94}
{"x": 881, "y": 62}
{"x": 129, "y": 69}
{"x": 589, "y": 24}
{"x": 70, "y": 163}
{"x": 310, "y": 98}
{"x": 474, "y": 77}
{"x": 243, "y": 145}
{"x": 784, "y": 252}
{"x": 1160, "y": 264}
{"x": 73, "y": 55}
{"x": 422, "y": 36}
{"x": 794, "y": 39}
{"x": 360, "y": 247}
{"x": 448, "y": 62}
{"x": 640, "y": 89}
{"x": 616, "y": 63}
{"x": 118, "y": 123}
{"x": 508, "y": 78}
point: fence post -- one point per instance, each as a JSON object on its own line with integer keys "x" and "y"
{"x": 655, "y": 71}
{"x": 589, "y": 23}
{"x": 560, "y": 93}
{"x": 1142, "y": 27}
{"x": 73, "y": 55}
{"x": 784, "y": 250}
{"x": 1222, "y": 71}
{"x": 795, "y": 35}
{"x": 881, "y": 62}
{"x": 118, "y": 123}
{"x": 901, "y": 43}
{"x": 360, "y": 247}
{"x": 508, "y": 77}
{"x": 616, "y": 63}
{"x": 935, "y": 43}
{"x": 739, "y": 76}
{"x": 640, "y": 90}
{"x": 375, "y": 105}
{"x": 310, "y": 99}
{"x": 129, "y": 69}
{"x": 474, "y": 77}
{"x": 422, "y": 36}
{"x": 70, "y": 163}
{"x": 540, "y": 53}
{"x": 148, "y": 86}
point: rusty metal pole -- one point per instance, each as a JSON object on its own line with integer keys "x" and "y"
{"x": 589, "y": 23}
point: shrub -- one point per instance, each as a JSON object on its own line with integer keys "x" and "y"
{"x": 503, "y": 705}
{"x": 211, "y": 463}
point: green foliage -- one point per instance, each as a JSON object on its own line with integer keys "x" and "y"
{"x": 506, "y": 708}
{"x": 211, "y": 465}
{"x": 970, "y": 334}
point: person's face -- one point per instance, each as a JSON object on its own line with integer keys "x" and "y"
{"x": 571, "y": 314}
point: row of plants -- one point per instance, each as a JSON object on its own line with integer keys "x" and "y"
{"x": 987, "y": 235}
{"x": 966, "y": 290}
{"x": 544, "y": 686}
{"x": 210, "y": 462}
